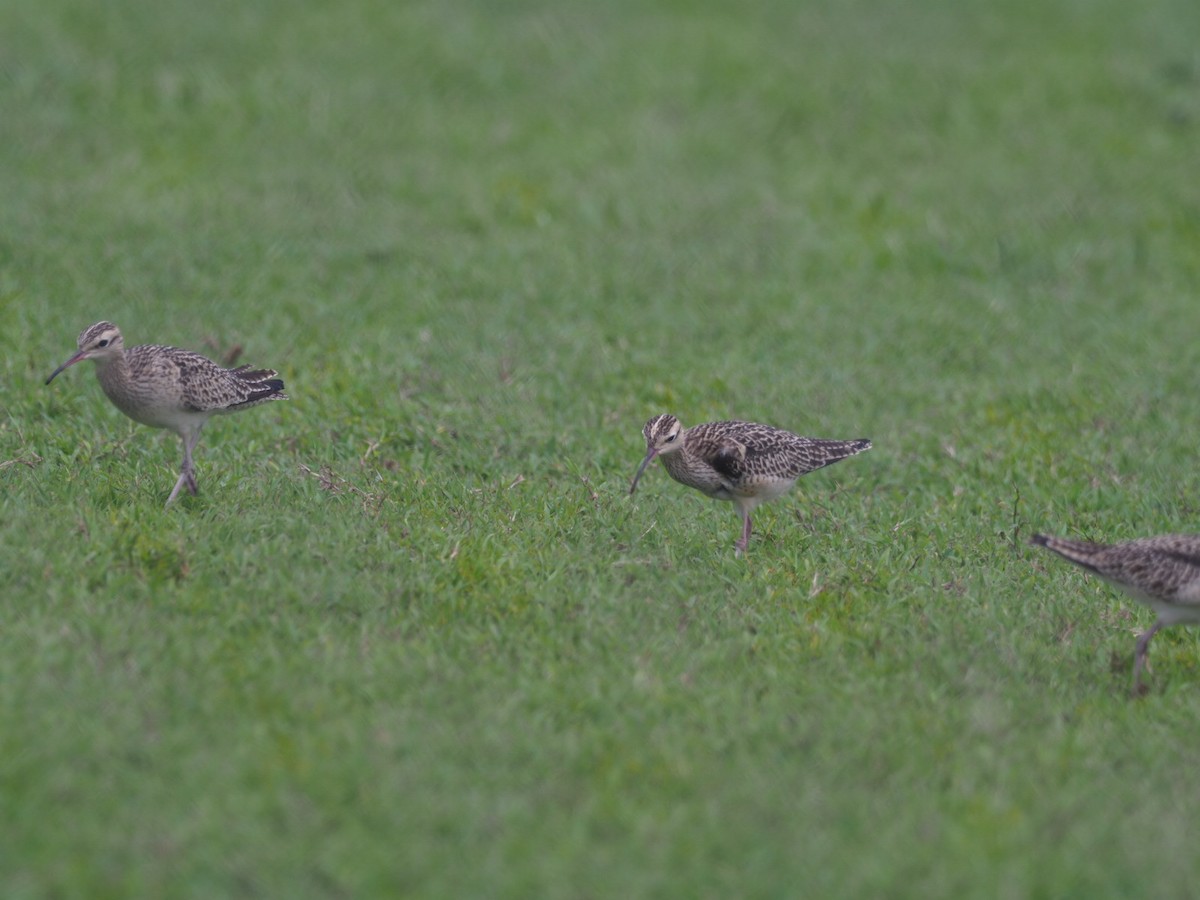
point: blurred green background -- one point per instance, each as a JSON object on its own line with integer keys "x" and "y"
{"x": 413, "y": 638}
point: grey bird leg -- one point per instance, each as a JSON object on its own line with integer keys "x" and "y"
{"x": 187, "y": 476}
{"x": 1139, "y": 659}
{"x": 743, "y": 542}
{"x": 188, "y": 465}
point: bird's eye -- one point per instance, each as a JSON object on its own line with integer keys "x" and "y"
{"x": 103, "y": 343}
{"x": 671, "y": 437}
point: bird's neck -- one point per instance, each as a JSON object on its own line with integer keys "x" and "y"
{"x": 113, "y": 373}
{"x": 677, "y": 461}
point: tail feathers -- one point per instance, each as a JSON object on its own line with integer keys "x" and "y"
{"x": 817, "y": 453}
{"x": 1082, "y": 553}
{"x": 261, "y": 385}
{"x": 251, "y": 374}
{"x": 835, "y": 451}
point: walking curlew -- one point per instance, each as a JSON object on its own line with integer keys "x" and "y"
{"x": 743, "y": 462}
{"x": 1162, "y": 573}
{"x": 166, "y": 387}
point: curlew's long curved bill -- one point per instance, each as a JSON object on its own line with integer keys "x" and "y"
{"x": 650, "y": 454}
{"x": 70, "y": 362}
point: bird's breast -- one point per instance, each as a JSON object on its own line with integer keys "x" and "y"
{"x": 695, "y": 473}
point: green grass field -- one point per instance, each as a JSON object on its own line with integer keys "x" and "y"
{"x": 413, "y": 637}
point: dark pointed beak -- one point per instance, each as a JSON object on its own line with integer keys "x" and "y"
{"x": 650, "y": 454}
{"x": 70, "y": 362}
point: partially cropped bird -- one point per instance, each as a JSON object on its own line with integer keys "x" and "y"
{"x": 743, "y": 462}
{"x": 166, "y": 387}
{"x": 1162, "y": 573}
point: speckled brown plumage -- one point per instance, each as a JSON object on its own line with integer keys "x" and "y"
{"x": 1160, "y": 572}
{"x": 166, "y": 387}
{"x": 742, "y": 462}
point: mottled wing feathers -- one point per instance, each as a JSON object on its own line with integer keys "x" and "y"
{"x": 1082, "y": 553}
{"x": 1183, "y": 555}
{"x": 1158, "y": 566}
{"x": 741, "y": 449}
{"x": 204, "y": 386}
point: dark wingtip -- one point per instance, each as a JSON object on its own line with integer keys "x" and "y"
{"x": 267, "y": 390}
{"x": 1039, "y": 540}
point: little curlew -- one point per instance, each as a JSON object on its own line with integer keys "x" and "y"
{"x": 166, "y": 387}
{"x": 1162, "y": 573}
{"x": 743, "y": 462}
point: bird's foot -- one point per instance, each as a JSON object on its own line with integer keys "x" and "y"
{"x": 1139, "y": 689}
{"x": 187, "y": 479}
{"x": 175, "y": 490}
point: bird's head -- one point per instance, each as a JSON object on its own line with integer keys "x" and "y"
{"x": 662, "y": 436}
{"x": 100, "y": 342}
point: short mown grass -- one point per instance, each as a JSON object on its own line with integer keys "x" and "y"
{"x": 413, "y": 637}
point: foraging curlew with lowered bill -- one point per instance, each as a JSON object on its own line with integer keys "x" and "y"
{"x": 745, "y": 463}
